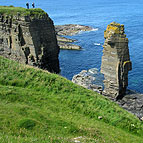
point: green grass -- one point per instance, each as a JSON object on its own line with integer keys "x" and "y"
{"x": 39, "y": 107}
{"x": 11, "y": 11}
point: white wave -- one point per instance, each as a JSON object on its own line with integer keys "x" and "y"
{"x": 97, "y": 44}
{"x": 82, "y": 31}
{"x": 93, "y": 71}
{"x": 94, "y": 29}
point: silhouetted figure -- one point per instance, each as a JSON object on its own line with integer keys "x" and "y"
{"x": 33, "y": 5}
{"x": 27, "y": 4}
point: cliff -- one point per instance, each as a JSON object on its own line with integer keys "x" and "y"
{"x": 115, "y": 61}
{"x": 28, "y": 36}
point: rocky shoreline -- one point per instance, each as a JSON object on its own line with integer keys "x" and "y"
{"x": 112, "y": 80}
{"x": 69, "y": 30}
{"x": 132, "y": 102}
{"x": 92, "y": 79}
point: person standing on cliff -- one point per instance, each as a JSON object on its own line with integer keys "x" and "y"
{"x": 33, "y": 5}
{"x": 27, "y": 4}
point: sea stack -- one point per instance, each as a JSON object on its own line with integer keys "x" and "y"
{"x": 115, "y": 61}
{"x": 28, "y": 36}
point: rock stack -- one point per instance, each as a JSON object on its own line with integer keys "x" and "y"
{"x": 115, "y": 61}
{"x": 30, "y": 40}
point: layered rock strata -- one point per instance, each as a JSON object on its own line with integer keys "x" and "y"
{"x": 115, "y": 61}
{"x": 30, "y": 40}
{"x": 65, "y": 43}
{"x": 69, "y": 30}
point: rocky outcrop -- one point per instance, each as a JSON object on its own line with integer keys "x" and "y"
{"x": 31, "y": 40}
{"x": 115, "y": 61}
{"x": 90, "y": 79}
{"x": 65, "y": 43}
{"x": 63, "y": 39}
{"x": 68, "y": 46}
{"x": 132, "y": 102}
{"x": 69, "y": 30}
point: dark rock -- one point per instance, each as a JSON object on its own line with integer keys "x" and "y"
{"x": 133, "y": 102}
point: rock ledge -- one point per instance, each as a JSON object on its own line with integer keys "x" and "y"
{"x": 69, "y": 30}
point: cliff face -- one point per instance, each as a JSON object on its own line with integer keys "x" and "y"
{"x": 115, "y": 61}
{"x": 30, "y": 40}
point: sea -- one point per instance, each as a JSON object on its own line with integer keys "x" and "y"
{"x": 97, "y": 14}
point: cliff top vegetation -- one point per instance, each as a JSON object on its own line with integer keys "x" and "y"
{"x": 11, "y": 10}
{"x": 37, "y": 106}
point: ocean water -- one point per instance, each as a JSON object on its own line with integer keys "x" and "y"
{"x": 98, "y": 14}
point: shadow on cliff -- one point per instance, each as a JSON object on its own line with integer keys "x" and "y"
{"x": 45, "y": 44}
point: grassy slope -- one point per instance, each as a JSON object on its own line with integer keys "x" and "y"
{"x": 10, "y": 10}
{"x": 39, "y": 107}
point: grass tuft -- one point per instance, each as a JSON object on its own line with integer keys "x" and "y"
{"x": 27, "y": 123}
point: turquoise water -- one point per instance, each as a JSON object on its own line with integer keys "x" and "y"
{"x": 98, "y": 14}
